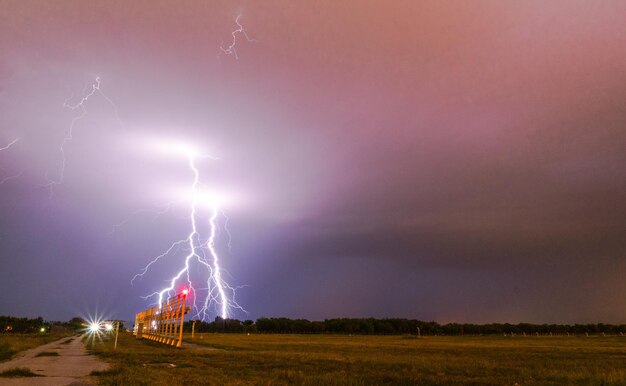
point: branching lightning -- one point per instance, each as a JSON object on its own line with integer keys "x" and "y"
{"x": 230, "y": 50}
{"x": 219, "y": 295}
{"x": 80, "y": 106}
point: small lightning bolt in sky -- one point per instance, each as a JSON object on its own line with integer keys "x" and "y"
{"x": 231, "y": 50}
{"x": 81, "y": 107}
{"x": 218, "y": 293}
{"x": 6, "y": 147}
{"x": 9, "y": 144}
{"x": 156, "y": 213}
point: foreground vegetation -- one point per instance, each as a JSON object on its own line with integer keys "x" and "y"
{"x": 11, "y": 344}
{"x": 18, "y": 372}
{"x": 343, "y": 359}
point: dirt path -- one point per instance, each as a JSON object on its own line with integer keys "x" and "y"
{"x": 71, "y": 367}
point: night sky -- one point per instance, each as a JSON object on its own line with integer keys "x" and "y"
{"x": 439, "y": 160}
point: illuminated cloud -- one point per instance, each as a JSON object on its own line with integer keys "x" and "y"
{"x": 437, "y": 160}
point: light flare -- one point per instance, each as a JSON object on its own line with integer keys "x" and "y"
{"x": 94, "y": 327}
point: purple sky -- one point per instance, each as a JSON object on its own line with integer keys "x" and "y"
{"x": 446, "y": 160}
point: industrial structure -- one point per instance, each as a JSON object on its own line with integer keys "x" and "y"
{"x": 163, "y": 323}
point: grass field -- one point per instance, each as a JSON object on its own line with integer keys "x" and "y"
{"x": 11, "y": 344}
{"x": 356, "y": 360}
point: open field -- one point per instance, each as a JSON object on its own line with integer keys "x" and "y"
{"x": 11, "y": 344}
{"x": 341, "y": 359}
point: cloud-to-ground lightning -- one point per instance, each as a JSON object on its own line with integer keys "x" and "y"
{"x": 198, "y": 251}
{"x": 6, "y": 147}
{"x": 219, "y": 294}
{"x": 69, "y": 135}
{"x": 231, "y": 49}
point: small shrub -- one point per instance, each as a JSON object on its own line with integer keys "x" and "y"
{"x": 18, "y": 372}
{"x": 47, "y": 354}
{"x": 5, "y": 351}
{"x": 102, "y": 373}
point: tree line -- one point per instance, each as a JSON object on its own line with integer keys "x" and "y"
{"x": 15, "y": 325}
{"x": 391, "y": 326}
{"x": 361, "y": 326}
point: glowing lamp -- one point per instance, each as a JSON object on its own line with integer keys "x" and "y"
{"x": 108, "y": 326}
{"x": 94, "y": 327}
{"x": 185, "y": 292}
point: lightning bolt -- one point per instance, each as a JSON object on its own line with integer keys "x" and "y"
{"x": 5, "y": 179}
{"x": 217, "y": 274}
{"x": 69, "y": 135}
{"x": 230, "y": 50}
{"x": 218, "y": 293}
{"x": 6, "y": 147}
{"x": 9, "y": 144}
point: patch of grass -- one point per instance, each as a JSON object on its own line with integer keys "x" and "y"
{"x": 6, "y": 351}
{"x": 12, "y": 344}
{"x": 367, "y": 360}
{"x": 47, "y": 354}
{"x": 104, "y": 373}
{"x": 218, "y": 346}
{"x": 18, "y": 372}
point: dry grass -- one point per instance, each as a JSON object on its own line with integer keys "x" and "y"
{"x": 11, "y": 344}
{"x": 363, "y": 360}
{"x": 18, "y": 372}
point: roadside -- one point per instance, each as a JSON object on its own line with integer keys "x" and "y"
{"x": 62, "y": 362}
{"x": 13, "y": 344}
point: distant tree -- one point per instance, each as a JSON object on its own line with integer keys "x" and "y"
{"x": 77, "y": 323}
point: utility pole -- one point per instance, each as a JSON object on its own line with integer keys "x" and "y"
{"x": 117, "y": 331}
{"x": 182, "y": 317}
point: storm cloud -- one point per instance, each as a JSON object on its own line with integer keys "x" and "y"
{"x": 425, "y": 159}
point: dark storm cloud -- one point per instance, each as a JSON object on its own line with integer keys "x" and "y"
{"x": 422, "y": 159}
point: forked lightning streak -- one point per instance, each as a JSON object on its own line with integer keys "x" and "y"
{"x": 217, "y": 294}
{"x": 69, "y": 135}
{"x": 231, "y": 50}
